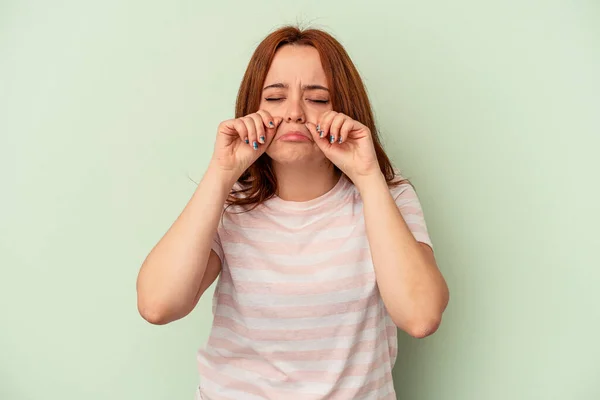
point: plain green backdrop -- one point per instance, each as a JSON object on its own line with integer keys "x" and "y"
{"x": 108, "y": 112}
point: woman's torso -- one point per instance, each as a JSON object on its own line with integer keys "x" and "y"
{"x": 297, "y": 312}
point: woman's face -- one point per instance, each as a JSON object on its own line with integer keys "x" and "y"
{"x": 296, "y": 90}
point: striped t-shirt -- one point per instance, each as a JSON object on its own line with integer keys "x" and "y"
{"x": 297, "y": 311}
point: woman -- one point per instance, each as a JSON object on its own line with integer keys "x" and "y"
{"x": 322, "y": 250}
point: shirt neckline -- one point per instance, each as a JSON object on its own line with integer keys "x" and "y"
{"x": 341, "y": 184}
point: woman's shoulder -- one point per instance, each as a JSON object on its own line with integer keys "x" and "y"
{"x": 239, "y": 189}
{"x": 235, "y": 199}
{"x": 400, "y": 185}
{"x": 399, "y": 179}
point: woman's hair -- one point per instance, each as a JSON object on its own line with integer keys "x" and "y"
{"x": 348, "y": 96}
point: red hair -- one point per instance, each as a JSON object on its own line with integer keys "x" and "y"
{"x": 348, "y": 96}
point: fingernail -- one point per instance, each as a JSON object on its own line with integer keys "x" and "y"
{"x": 271, "y": 124}
{"x": 247, "y": 141}
{"x": 340, "y": 141}
{"x": 321, "y": 133}
{"x": 255, "y": 145}
{"x": 318, "y": 128}
{"x": 262, "y": 139}
{"x": 331, "y": 139}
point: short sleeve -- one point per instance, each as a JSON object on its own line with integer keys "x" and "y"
{"x": 410, "y": 207}
{"x": 217, "y": 246}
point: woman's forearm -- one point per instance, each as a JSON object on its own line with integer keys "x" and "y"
{"x": 170, "y": 277}
{"x": 411, "y": 286}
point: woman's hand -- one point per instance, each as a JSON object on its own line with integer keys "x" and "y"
{"x": 346, "y": 143}
{"x": 242, "y": 140}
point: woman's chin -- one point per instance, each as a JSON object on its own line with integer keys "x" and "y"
{"x": 296, "y": 154}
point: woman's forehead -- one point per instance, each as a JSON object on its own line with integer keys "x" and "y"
{"x": 294, "y": 64}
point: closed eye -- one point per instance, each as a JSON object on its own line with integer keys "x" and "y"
{"x": 273, "y": 99}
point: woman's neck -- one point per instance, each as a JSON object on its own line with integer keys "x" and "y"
{"x": 306, "y": 183}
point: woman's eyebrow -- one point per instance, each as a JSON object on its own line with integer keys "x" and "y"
{"x": 315, "y": 87}
{"x": 305, "y": 87}
{"x": 276, "y": 86}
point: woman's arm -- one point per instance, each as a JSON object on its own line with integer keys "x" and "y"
{"x": 411, "y": 285}
{"x": 182, "y": 265}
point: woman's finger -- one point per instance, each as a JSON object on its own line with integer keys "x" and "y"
{"x": 345, "y": 130}
{"x": 334, "y": 130}
{"x": 316, "y": 135}
{"x": 249, "y": 123}
{"x": 325, "y": 124}
{"x": 271, "y": 124}
{"x": 259, "y": 126}
{"x": 267, "y": 119}
{"x": 277, "y": 121}
{"x": 272, "y": 131}
{"x": 241, "y": 130}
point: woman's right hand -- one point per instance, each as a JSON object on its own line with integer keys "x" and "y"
{"x": 242, "y": 140}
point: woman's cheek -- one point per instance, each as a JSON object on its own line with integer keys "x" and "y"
{"x": 271, "y": 108}
{"x": 314, "y": 114}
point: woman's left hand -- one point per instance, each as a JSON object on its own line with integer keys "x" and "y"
{"x": 346, "y": 143}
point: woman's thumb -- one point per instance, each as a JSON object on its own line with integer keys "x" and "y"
{"x": 316, "y": 135}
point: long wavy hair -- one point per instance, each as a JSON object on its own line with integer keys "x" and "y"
{"x": 348, "y": 96}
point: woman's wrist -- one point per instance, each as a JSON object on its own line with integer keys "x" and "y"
{"x": 222, "y": 179}
{"x": 370, "y": 182}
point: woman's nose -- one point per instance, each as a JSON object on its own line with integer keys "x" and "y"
{"x": 298, "y": 119}
{"x": 295, "y": 114}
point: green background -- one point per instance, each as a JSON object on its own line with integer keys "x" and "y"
{"x": 108, "y": 112}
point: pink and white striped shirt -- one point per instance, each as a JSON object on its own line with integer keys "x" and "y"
{"x": 297, "y": 311}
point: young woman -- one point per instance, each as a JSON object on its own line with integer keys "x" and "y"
{"x": 321, "y": 249}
